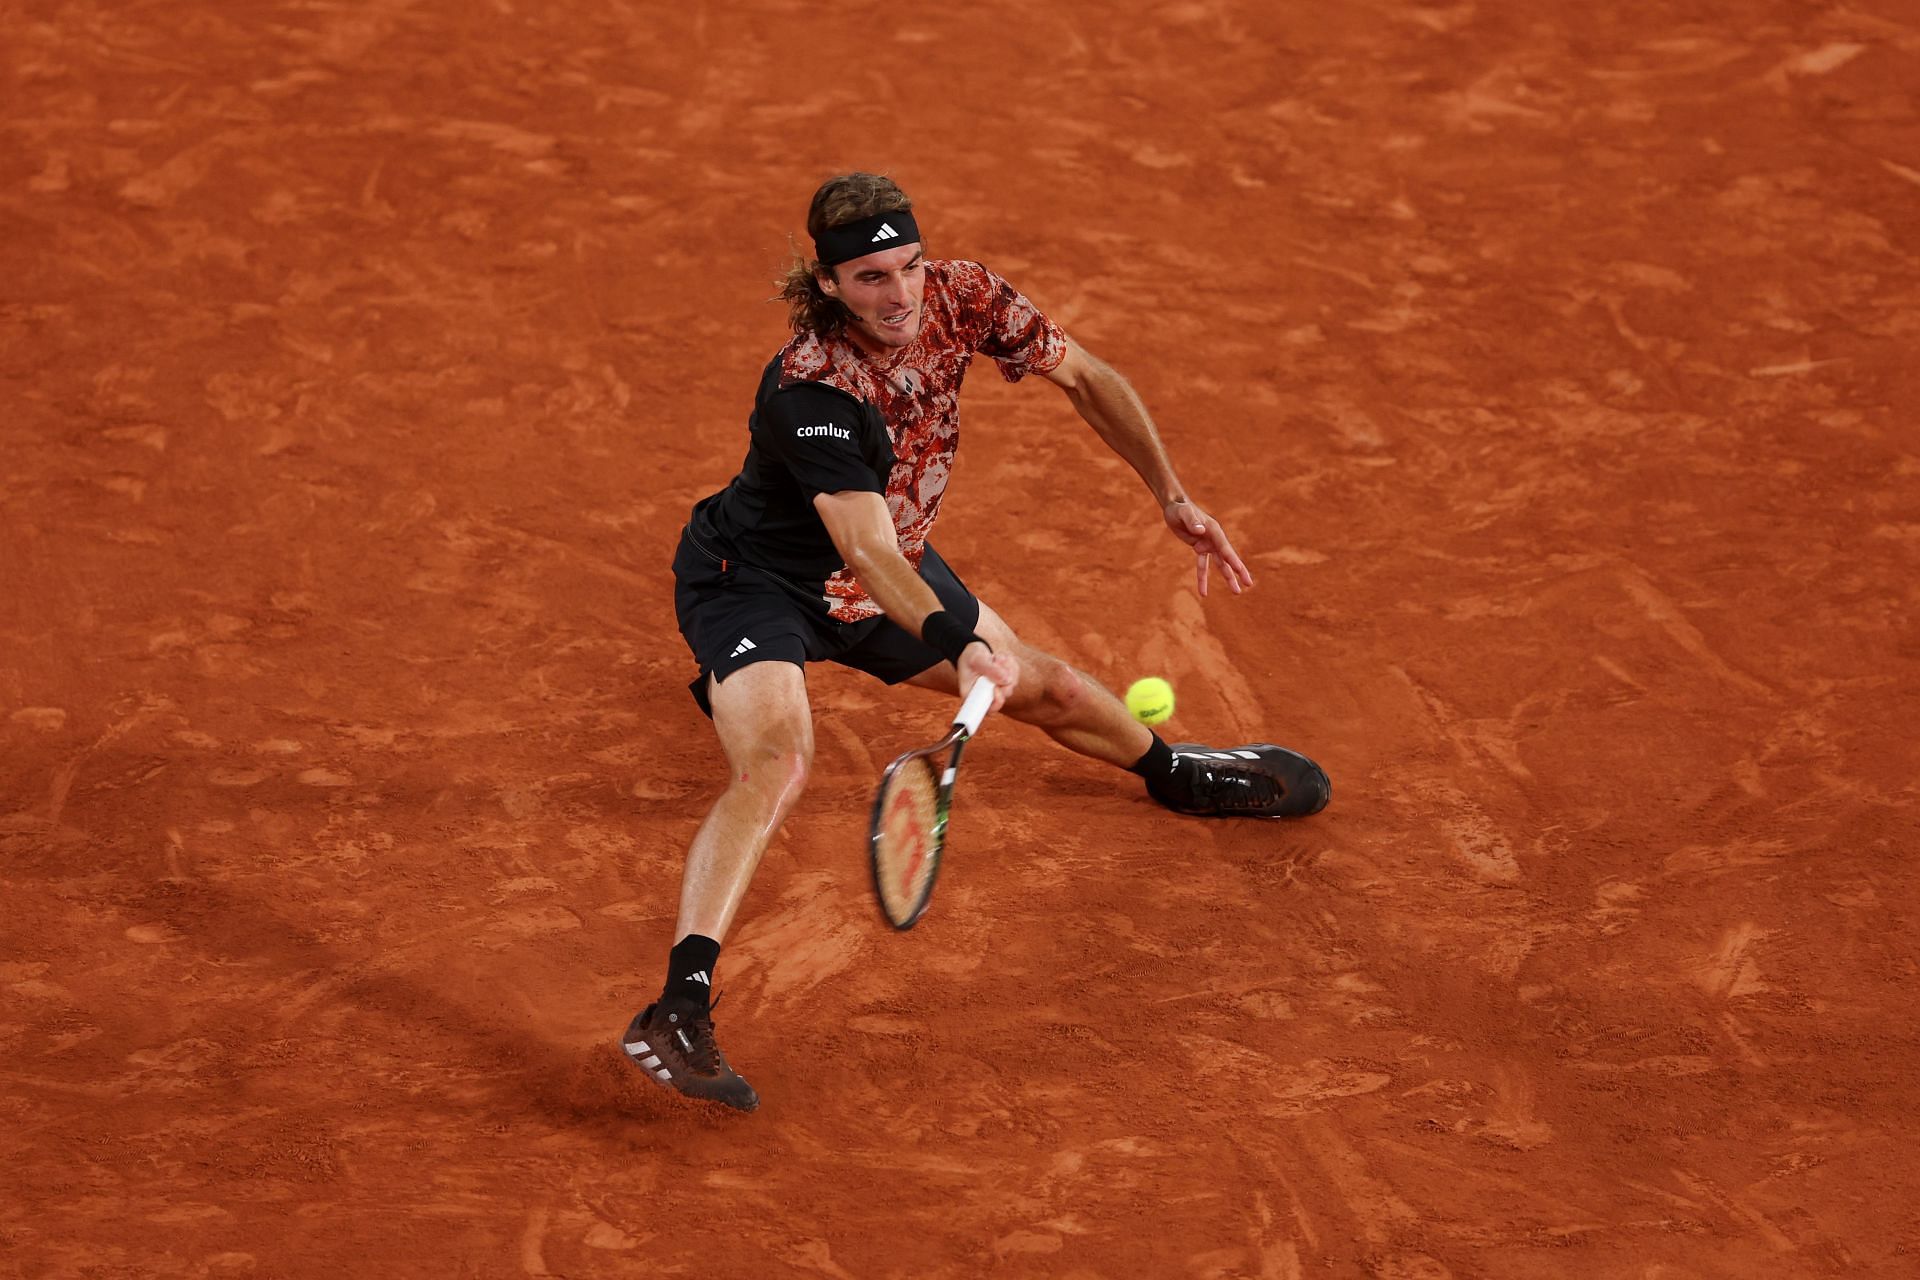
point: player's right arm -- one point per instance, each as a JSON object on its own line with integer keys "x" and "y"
{"x": 862, "y": 530}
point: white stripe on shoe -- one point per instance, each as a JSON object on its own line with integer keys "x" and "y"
{"x": 650, "y": 1063}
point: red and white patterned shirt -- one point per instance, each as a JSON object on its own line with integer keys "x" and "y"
{"x": 967, "y": 310}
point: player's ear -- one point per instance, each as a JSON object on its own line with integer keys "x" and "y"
{"x": 823, "y": 276}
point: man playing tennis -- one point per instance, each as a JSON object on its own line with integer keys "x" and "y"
{"x": 818, "y": 550}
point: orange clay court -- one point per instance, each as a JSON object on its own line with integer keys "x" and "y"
{"x": 1553, "y": 366}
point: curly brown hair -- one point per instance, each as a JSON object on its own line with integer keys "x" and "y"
{"x": 844, "y": 198}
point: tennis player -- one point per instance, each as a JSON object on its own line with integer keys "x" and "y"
{"x": 818, "y": 551}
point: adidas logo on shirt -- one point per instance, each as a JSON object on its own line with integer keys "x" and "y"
{"x": 744, "y": 645}
{"x": 886, "y": 232}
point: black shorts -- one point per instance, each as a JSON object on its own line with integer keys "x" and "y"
{"x": 734, "y": 615}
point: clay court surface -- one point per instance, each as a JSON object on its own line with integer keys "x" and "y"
{"x": 1554, "y": 370}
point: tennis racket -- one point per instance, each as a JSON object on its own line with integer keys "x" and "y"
{"x": 909, "y": 825}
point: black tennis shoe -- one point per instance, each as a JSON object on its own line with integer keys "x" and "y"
{"x": 1259, "y": 780}
{"x": 672, "y": 1041}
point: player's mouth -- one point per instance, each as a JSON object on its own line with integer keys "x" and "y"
{"x": 897, "y": 321}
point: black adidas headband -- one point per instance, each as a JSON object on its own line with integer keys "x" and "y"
{"x": 852, "y": 240}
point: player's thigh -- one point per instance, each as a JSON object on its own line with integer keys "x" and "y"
{"x": 761, "y": 714}
{"x": 993, "y": 628}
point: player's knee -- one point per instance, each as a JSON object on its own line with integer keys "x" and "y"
{"x": 789, "y": 769}
{"x": 1066, "y": 691}
{"x": 777, "y": 769}
{"x": 1054, "y": 691}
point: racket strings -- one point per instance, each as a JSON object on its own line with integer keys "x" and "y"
{"x": 909, "y": 836}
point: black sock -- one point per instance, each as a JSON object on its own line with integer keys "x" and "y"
{"x": 690, "y": 970}
{"x": 1167, "y": 781}
{"x": 1157, "y": 763}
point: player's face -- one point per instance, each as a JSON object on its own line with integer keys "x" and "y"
{"x": 884, "y": 291}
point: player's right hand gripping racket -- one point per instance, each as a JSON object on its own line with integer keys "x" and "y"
{"x": 909, "y": 826}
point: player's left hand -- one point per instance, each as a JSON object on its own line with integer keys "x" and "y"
{"x": 1209, "y": 542}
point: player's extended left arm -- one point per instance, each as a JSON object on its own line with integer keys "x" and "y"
{"x": 1110, "y": 405}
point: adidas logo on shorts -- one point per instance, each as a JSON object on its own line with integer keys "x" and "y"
{"x": 744, "y": 645}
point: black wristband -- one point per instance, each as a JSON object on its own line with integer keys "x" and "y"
{"x": 947, "y": 634}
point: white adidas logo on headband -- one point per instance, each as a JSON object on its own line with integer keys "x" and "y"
{"x": 886, "y": 232}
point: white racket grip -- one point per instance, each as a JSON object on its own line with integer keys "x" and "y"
{"x": 974, "y": 709}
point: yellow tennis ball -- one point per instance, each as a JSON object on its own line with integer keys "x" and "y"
{"x": 1150, "y": 700}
